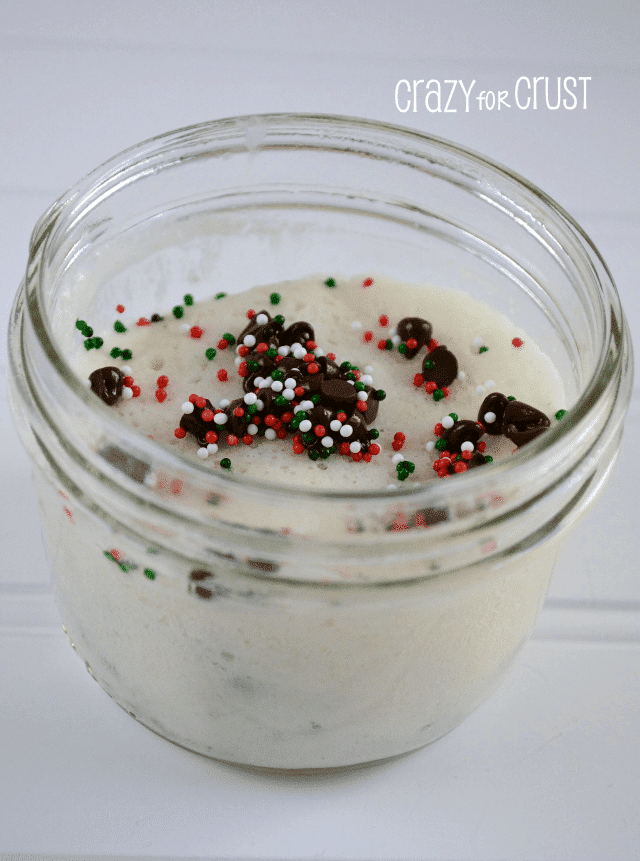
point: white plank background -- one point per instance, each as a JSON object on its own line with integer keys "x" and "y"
{"x": 548, "y": 769}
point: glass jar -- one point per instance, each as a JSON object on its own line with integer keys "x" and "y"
{"x": 289, "y": 627}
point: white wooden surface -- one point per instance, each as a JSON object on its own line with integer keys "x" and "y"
{"x": 548, "y": 769}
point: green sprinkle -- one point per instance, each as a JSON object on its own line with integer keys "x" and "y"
{"x": 115, "y": 352}
{"x": 126, "y": 567}
{"x": 97, "y": 342}
{"x": 373, "y": 433}
{"x": 330, "y": 282}
{"x": 314, "y": 455}
{"x": 325, "y": 453}
{"x": 88, "y": 344}
{"x": 272, "y": 352}
{"x": 80, "y": 324}
{"x": 380, "y": 395}
{"x": 277, "y": 375}
{"x": 252, "y": 365}
{"x": 429, "y": 364}
{"x": 281, "y": 401}
{"x": 408, "y": 465}
{"x": 87, "y": 331}
{"x": 150, "y": 573}
{"x": 279, "y": 319}
{"x": 178, "y": 311}
{"x": 315, "y": 399}
{"x": 229, "y": 339}
{"x": 402, "y": 348}
{"x": 152, "y": 550}
{"x": 275, "y": 298}
{"x": 438, "y": 395}
{"x": 488, "y": 458}
{"x": 511, "y": 397}
{"x": 441, "y": 444}
{"x": 220, "y": 296}
{"x": 453, "y": 416}
{"x": 561, "y": 414}
{"x": 251, "y": 409}
{"x": 308, "y": 438}
{"x": 126, "y": 355}
{"x": 188, "y": 299}
{"x": 346, "y": 366}
{"x": 225, "y": 463}
{"x": 210, "y": 353}
{"x": 119, "y": 327}
{"x": 359, "y": 387}
{"x": 351, "y": 376}
{"x": 483, "y": 350}
{"x": 388, "y": 344}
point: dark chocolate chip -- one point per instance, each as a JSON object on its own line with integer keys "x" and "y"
{"x": 328, "y": 368}
{"x": 264, "y": 565}
{"x": 131, "y": 466}
{"x": 200, "y": 574}
{"x": 495, "y": 403}
{"x": 338, "y": 394}
{"x": 297, "y": 333}
{"x": 440, "y": 366}
{"x": 476, "y": 459}
{"x": 194, "y": 424}
{"x": 464, "y": 430}
{"x": 522, "y": 422}
{"x": 369, "y": 415}
{"x": 107, "y": 383}
{"x": 417, "y": 328}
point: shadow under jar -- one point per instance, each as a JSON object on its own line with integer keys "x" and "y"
{"x": 355, "y": 626}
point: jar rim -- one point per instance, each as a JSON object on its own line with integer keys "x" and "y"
{"x": 533, "y": 456}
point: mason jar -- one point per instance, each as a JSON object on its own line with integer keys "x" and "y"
{"x": 291, "y": 627}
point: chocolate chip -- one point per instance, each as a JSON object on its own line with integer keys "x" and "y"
{"x": 338, "y": 394}
{"x": 298, "y": 333}
{"x": 416, "y": 328}
{"x": 495, "y": 403}
{"x": 373, "y": 402}
{"x": 464, "y": 430}
{"x": 194, "y": 424}
{"x": 264, "y": 565}
{"x": 440, "y": 366}
{"x": 107, "y": 383}
{"x": 126, "y": 463}
{"x": 476, "y": 459}
{"x": 522, "y": 422}
{"x": 200, "y": 574}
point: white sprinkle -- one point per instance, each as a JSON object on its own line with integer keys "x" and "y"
{"x": 351, "y": 382}
{"x": 270, "y": 433}
{"x": 149, "y": 480}
{"x": 289, "y": 394}
{"x": 392, "y": 331}
{"x": 392, "y": 487}
{"x": 224, "y": 403}
{"x": 367, "y": 379}
{"x": 335, "y": 425}
{"x": 126, "y": 370}
{"x": 467, "y": 446}
{"x": 397, "y": 458}
{"x": 87, "y": 383}
{"x": 489, "y": 418}
{"x": 356, "y": 325}
{"x": 430, "y": 445}
{"x": 277, "y": 386}
{"x": 260, "y": 405}
{"x": 363, "y": 396}
{"x": 355, "y": 447}
{"x": 261, "y": 319}
{"x": 306, "y": 405}
{"x": 368, "y": 369}
{"x": 299, "y": 353}
{"x": 480, "y": 390}
{"x": 447, "y": 422}
{"x": 203, "y": 453}
{"x": 283, "y": 351}
{"x": 187, "y": 407}
{"x": 185, "y": 327}
{"x": 461, "y": 375}
{"x": 305, "y": 425}
{"x": 346, "y": 430}
{"x": 290, "y": 383}
{"x": 238, "y": 361}
{"x": 250, "y": 398}
{"x": 220, "y": 418}
{"x": 252, "y": 429}
{"x": 249, "y": 341}
{"x": 477, "y": 341}
{"x": 395, "y": 340}
{"x": 212, "y": 447}
{"x": 127, "y": 392}
{"x": 327, "y": 441}
{"x": 319, "y": 351}
{"x": 489, "y": 384}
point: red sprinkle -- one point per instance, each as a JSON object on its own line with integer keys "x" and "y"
{"x": 445, "y": 391}
{"x": 128, "y": 381}
{"x": 382, "y": 344}
{"x": 262, "y": 347}
{"x": 163, "y": 382}
{"x": 211, "y": 436}
{"x": 207, "y": 415}
{"x": 282, "y": 433}
{"x": 251, "y": 314}
{"x": 460, "y": 467}
{"x": 481, "y": 446}
{"x": 176, "y": 486}
{"x": 247, "y": 439}
{"x": 195, "y": 332}
{"x": 286, "y": 417}
{"x": 143, "y": 322}
{"x": 299, "y": 391}
{"x": 397, "y": 444}
{"x": 412, "y": 343}
{"x": 439, "y": 429}
{"x": 232, "y": 439}
{"x": 313, "y": 368}
{"x": 136, "y": 391}
{"x": 161, "y": 395}
{"x": 430, "y": 388}
{"x": 243, "y": 369}
{"x": 418, "y": 380}
{"x": 311, "y": 345}
{"x": 270, "y": 420}
{"x": 383, "y": 320}
{"x": 366, "y": 457}
{"x": 243, "y": 351}
{"x": 222, "y": 375}
{"x": 432, "y": 345}
{"x": 342, "y": 417}
{"x": 238, "y": 412}
{"x": 331, "y": 356}
{"x": 298, "y": 448}
{"x": 343, "y": 448}
{"x": 399, "y": 435}
{"x": 467, "y": 455}
{"x": 200, "y": 402}
{"x": 517, "y": 342}
{"x": 367, "y": 282}
{"x": 361, "y": 406}
{"x": 193, "y": 398}
{"x": 320, "y": 430}
{"x": 223, "y": 344}
{"x": 368, "y": 336}
{"x": 357, "y": 456}
{"x": 120, "y": 309}
{"x": 374, "y": 448}
{"x": 180, "y": 433}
